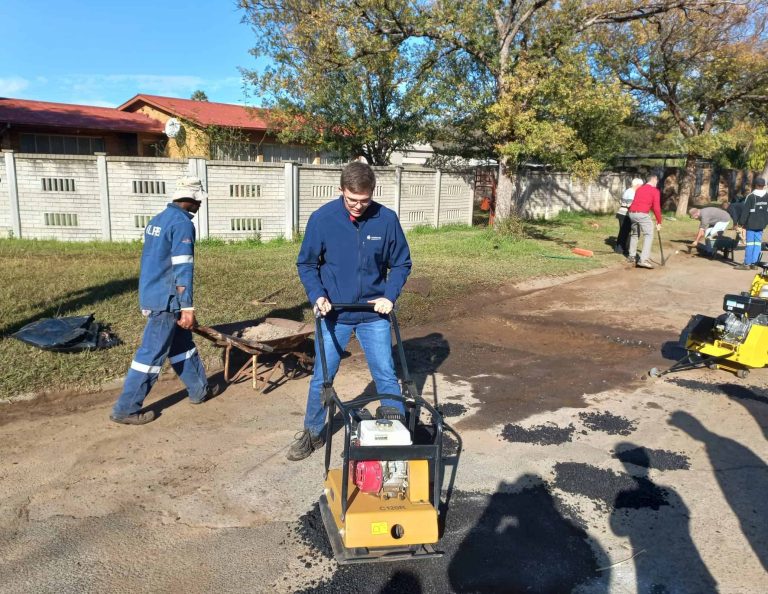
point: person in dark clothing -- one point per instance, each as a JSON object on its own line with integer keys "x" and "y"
{"x": 754, "y": 218}
{"x": 354, "y": 251}
{"x": 625, "y": 225}
{"x": 735, "y": 209}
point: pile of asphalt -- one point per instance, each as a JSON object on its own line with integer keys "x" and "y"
{"x": 539, "y": 434}
{"x": 608, "y": 423}
{"x": 608, "y": 489}
{"x": 452, "y": 409}
{"x": 657, "y": 459}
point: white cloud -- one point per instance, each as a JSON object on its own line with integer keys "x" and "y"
{"x": 12, "y": 86}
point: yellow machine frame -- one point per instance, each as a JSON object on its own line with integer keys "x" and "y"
{"x": 386, "y": 526}
{"x": 373, "y": 522}
{"x": 736, "y": 357}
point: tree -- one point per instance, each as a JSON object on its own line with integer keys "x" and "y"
{"x": 699, "y": 66}
{"x": 334, "y": 85}
{"x": 494, "y": 68}
{"x": 199, "y": 95}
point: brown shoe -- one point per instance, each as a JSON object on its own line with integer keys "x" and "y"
{"x": 141, "y": 418}
{"x": 644, "y": 264}
{"x": 742, "y": 267}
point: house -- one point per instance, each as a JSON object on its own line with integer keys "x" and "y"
{"x": 221, "y": 131}
{"x": 59, "y": 128}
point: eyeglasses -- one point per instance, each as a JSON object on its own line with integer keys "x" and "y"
{"x": 353, "y": 203}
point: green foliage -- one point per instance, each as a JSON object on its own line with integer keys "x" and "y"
{"x": 758, "y": 153}
{"x": 554, "y": 111}
{"x": 510, "y": 227}
{"x": 697, "y": 64}
{"x": 199, "y": 95}
{"x": 334, "y": 84}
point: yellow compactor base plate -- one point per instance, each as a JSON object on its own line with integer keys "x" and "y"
{"x": 376, "y": 529}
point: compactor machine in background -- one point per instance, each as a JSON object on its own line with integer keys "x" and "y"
{"x": 382, "y": 504}
{"x": 737, "y": 340}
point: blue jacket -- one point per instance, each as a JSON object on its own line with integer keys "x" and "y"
{"x": 167, "y": 261}
{"x": 353, "y": 261}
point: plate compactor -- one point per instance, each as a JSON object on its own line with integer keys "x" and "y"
{"x": 382, "y": 504}
{"x": 736, "y": 341}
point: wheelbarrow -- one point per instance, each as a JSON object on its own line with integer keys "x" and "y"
{"x": 285, "y": 354}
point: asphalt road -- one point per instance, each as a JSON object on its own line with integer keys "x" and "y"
{"x": 575, "y": 476}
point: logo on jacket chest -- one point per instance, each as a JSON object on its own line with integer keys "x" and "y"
{"x": 153, "y": 230}
{"x": 373, "y": 238}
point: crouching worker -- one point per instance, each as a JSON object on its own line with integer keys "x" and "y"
{"x": 354, "y": 251}
{"x": 165, "y": 299}
{"x": 708, "y": 242}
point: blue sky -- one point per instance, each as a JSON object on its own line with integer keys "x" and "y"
{"x": 98, "y": 52}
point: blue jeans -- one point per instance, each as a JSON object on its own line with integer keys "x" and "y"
{"x": 376, "y": 340}
{"x": 162, "y": 339}
{"x": 754, "y": 246}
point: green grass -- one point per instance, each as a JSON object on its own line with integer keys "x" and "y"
{"x": 50, "y": 278}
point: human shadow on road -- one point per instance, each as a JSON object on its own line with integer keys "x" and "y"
{"x": 755, "y": 404}
{"x": 72, "y": 302}
{"x": 520, "y": 542}
{"x": 656, "y": 521}
{"x": 743, "y": 479}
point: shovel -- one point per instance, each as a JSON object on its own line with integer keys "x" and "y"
{"x": 661, "y": 249}
{"x": 263, "y": 300}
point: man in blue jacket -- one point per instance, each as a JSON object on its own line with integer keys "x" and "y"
{"x": 354, "y": 251}
{"x": 165, "y": 298}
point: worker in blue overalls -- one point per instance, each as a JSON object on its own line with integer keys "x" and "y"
{"x": 165, "y": 298}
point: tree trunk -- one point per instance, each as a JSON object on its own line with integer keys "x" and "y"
{"x": 687, "y": 186}
{"x": 505, "y": 194}
{"x": 764, "y": 174}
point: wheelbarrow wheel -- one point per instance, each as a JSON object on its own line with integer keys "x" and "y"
{"x": 742, "y": 373}
{"x": 654, "y": 372}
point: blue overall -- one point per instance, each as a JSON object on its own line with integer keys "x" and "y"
{"x": 167, "y": 262}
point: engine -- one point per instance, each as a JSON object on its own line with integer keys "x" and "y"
{"x": 743, "y": 311}
{"x": 385, "y": 478}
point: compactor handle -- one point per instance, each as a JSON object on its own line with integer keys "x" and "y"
{"x": 354, "y": 306}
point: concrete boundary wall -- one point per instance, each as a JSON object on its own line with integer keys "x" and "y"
{"x": 84, "y": 197}
{"x": 544, "y": 195}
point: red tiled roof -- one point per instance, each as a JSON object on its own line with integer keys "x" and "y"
{"x": 205, "y": 113}
{"x": 65, "y": 115}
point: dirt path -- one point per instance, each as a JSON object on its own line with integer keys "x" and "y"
{"x": 576, "y": 474}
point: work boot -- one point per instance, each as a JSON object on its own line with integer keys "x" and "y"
{"x": 742, "y": 267}
{"x": 644, "y": 264}
{"x": 304, "y": 444}
{"x": 141, "y": 418}
{"x": 212, "y": 391}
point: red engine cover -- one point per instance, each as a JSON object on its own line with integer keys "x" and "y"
{"x": 368, "y": 475}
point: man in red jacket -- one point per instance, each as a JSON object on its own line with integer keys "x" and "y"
{"x": 647, "y": 199}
